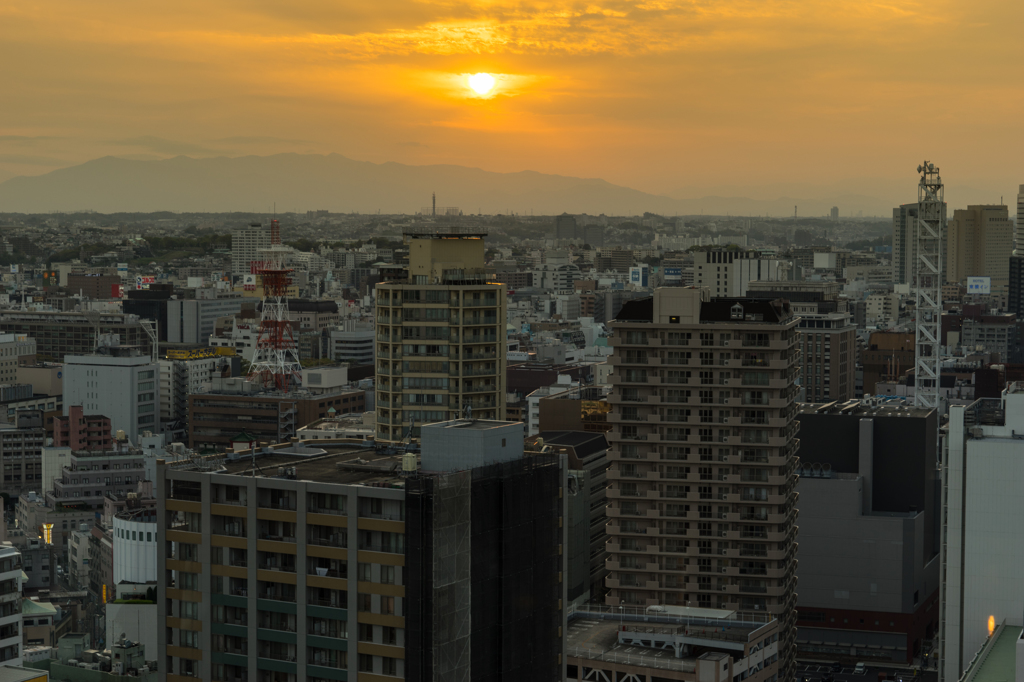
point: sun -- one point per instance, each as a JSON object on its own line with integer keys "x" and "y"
{"x": 482, "y": 83}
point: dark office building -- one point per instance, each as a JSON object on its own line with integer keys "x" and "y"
{"x": 1016, "y": 299}
{"x": 483, "y": 570}
{"x": 149, "y": 304}
{"x": 565, "y": 227}
{"x": 70, "y": 333}
{"x": 94, "y": 286}
{"x": 869, "y": 532}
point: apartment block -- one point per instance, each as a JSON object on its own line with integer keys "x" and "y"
{"x": 904, "y": 244}
{"x": 10, "y": 605}
{"x": 80, "y": 431}
{"x": 440, "y": 338}
{"x": 21, "y": 446}
{"x": 337, "y": 567}
{"x": 15, "y": 350}
{"x": 246, "y": 244}
{"x": 703, "y": 456}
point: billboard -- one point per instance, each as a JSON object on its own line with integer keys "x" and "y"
{"x": 249, "y": 283}
{"x": 639, "y": 275}
{"x": 143, "y": 281}
{"x": 116, "y": 290}
{"x": 14, "y": 269}
{"x": 979, "y": 285}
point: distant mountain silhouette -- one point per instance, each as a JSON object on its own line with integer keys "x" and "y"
{"x": 300, "y": 182}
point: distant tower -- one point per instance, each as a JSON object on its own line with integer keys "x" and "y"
{"x": 275, "y": 363}
{"x": 433, "y": 207}
{"x": 794, "y": 212}
{"x": 927, "y": 282}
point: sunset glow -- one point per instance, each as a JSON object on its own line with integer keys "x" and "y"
{"x": 618, "y": 89}
{"x": 482, "y": 83}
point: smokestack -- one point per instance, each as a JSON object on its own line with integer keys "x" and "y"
{"x": 433, "y": 206}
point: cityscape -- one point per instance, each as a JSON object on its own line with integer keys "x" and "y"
{"x": 511, "y": 340}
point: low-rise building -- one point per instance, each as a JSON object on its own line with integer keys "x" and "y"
{"x": 80, "y": 431}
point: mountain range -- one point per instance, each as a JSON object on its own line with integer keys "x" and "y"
{"x": 300, "y": 182}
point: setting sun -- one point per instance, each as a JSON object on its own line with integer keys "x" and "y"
{"x": 482, "y": 83}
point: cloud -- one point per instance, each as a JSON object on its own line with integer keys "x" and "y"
{"x": 27, "y": 139}
{"x": 412, "y": 143}
{"x": 164, "y": 146}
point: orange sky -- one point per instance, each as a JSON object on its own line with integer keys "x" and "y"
{"x": 660, "y": 95}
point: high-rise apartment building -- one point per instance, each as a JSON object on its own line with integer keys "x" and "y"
{"x": 828, "y": 336}
{"x": 15, "y": 350}
{"x": 11, "y": 578}
{"x": 727, "y": 273}
{"x": 979, "y": 240}
{"x": 703, "y": 452}
{"x": 440, "y": 337}
{"x": 904, "y": 244}
{"x": 335, "y": 568}
{"x": 118, "y": 382}
{"x": 1020, "y": 213}
{"x": 246, "y": 244}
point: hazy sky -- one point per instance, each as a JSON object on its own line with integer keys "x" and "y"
{"x": 660, "y": 95}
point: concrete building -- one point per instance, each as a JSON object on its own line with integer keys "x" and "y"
{"x": 440, "y": 337}
{"x": 21, "y": 449}
{"x": 565, "y": 227}
{"x": 340, "y": 568}
{"x": 882, "y": 310}
{"x": 45, "y": 379}
{"x": 982, "y": 543}
{"x": 887, "y": 356}
{"x": 193, "y": 320}
{"x": 869, "y": 547}
{"x": 828, "y": 337}
{"x": 135, "y": 546}
{"x": 15, "y": 350}
{"x": 246, "y": 244}
{"x": 95, "y": 286}
{"x": 587, "y": 461}
{"x": 90, "y": 476}
{"x": 10, "y": 604}
{"x": 122, "y": 383}
{"x": 729, "y": 273}
{"x": 353, "y": 347}
{"x": 32, "y": 516}
{"x": 979, "y": 240}
{"x": 233, "y": 405}
{"x": 703, "y": 456}
{"x": 184, "y": 373}
{"x": 71, "y": 333}
{"x": 80, "y": 431}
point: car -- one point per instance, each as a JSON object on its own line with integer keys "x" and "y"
{"x": 837, "y": 667}
{"x": 860, "y": 668}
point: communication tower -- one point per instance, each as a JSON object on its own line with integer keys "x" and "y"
{"x": 928, "y": 286}
{"x": 275, "y": 363}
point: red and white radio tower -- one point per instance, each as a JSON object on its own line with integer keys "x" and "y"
{"x": 275, "y": 363}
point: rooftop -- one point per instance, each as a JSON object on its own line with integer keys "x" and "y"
{"x": 341, "y": 464}
{"x": 864, "y": 408}
{"x": 997, "y": 660}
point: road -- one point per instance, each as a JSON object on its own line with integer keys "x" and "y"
{"x": 815, "y": 672}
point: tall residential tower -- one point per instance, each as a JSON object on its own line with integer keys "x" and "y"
{"x": 440, "y": 337}
{"x": 703, "y": 452}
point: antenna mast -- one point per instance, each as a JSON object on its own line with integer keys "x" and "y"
{"x": 275, "y": 363}
{"x": 928, "y": 287}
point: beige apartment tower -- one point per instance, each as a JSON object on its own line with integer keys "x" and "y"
{"x": 440, "y": 338}
{"x": 703, "y": 456}
{"x": 979, "y": 244}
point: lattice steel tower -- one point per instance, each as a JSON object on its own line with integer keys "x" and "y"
{"x": 275, "y": 363}
{"x": 928, "y": 287}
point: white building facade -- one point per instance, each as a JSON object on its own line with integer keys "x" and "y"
{"x": 135, "y": 546}
{"x": 983, "y": 538}
{"x": 124, "y": 387}
{"x": 727, "y": 273}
